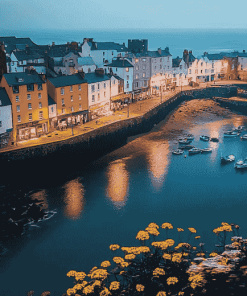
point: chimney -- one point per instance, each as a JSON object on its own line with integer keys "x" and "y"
{"x": 244, "y": 51}
{"x": 159, "y": 51}
{"x": 205, "y": 53}
{"x": 190, "y": 51}
{"x": 186, "y": 56}
{"x": 123, "y": 43}
{"x": 81, "y": 73}
{"x": 53, "y": 43}
{"x": 99, "y": 71}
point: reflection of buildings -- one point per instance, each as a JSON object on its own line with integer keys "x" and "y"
{"x": 157, "y": 161}
{"x": 118, "y": 182}
{"x": 73, "y": 198}
{"x": 40, "y": 196}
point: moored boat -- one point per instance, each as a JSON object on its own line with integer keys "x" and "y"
{"x": 241, "y": 165}
{"x": 243, "y": 137}
{"x": 184, "y": 141}
{"x": 227, "y": 159}
{"x": 187, "y": 147}
{"x": 231, "y": 134}
{"x": 177, "y": 152}
{"x": 190, "y": 137}
{"x": 194, "y": 151}
{"x": 206, "y": 150}
{"x": 204, "y": 138}
{"x": 214, "y": 140}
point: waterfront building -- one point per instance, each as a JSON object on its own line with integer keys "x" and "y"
{"x": 158, "y": 84}
{"x": 52, "y": 113}
{"x": 118, "y": 97}
{"x": 179, "y": 72}
{"x": 28, "y": 95}
{"x": 102, "y": 52}
{"x": 99, "y": 93}
{"x": 86, "y": 64}
{"x": 5, "y": 117}
{"x": 70, "y": 93}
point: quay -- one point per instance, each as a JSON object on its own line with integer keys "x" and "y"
{"x": 95, "y": 138}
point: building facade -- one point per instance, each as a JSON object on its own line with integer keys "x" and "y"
{"x": 5, "y": 118}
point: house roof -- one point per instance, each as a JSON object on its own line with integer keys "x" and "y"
{"x": 152, "y": 54}
{"x": 4, "y": 98}
{"x": 12, "y": 78}
{"x": 107, "y": 46}
{"x": 115, "y": 76}
{"x": 73, "y": 79}
{"x": 26, "y": 55}
{"x": 13, "y": 42}
{"x": 176, "y": 62}
{"x": 94, "y": 77}
{"x": 85, "y": 61}
{"x": 120, "y": 63}
{"x": 50, "y": 101}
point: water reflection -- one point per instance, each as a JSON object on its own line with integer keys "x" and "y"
{"x": 41, "y": 196}
{"x": 118, "y": 183}
{"x": 74, "y": 198}
{"x": 157, "y": 156}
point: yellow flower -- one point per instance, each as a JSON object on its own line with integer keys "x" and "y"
{"x": 80, "y": 276}
{"x": 78, "y": 286}
{"x": 114, "y": 285}
{"x": 192, "y": 230}
{"x": 218, "y": 230}
{"x": 197, "y": 237}
{"x": 71, "y": 273}
{"x": 167, "y": 256}
{"x": 172, "y": 280}
{"x": 99, "y": 274}
{"x": 140, "y": 288}
{"x": 105, "y": 292}
{"x": 227, "y": 228}
{"x": 114, "y": 247}
{"x": 158, "y": 271}
{"x": 97, "y": 283}
{"x": 182, "y": 245}
{"x": 176, "y": 257}
{"x": 144, "y": 249}
{"x": 180, "y": 229}
{"x": 180, "y": 293}
{"x": 152, "y": 231}
{"x": 124, "y": 264}
{"x": 122, "y": 272}
{"x": 118, "y": 260}
{"x": 130, "y": 257}
{"x": 170, "y": 242}
{"x": 71, "y": 291}
{"x": 200, "y": 254}
{"x": 105, "y": 264}
{"x": 213, "y": 254}
{"x": 161, "y": 293}
{"x": 88, "y": 289}
{"x": 142, "y": 235}
{"x": 194, "y": 248}
{"x": 167, "y": 226}
{"x": 185, "y": 254}
{"x": 153, "y": 225}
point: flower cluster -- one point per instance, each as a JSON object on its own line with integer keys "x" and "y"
{"x": 152, "y": 231}
{"x": 105, "y": 264}
{"x": 114, "y": 247}
{"x": 140, "y": 288}
{"x": 172, "y": 280}
{"x": 114, "y": 286}
{"x": 142, "y": 235}
{"x": 180, "y": 229}
{"x": 192, "y": 230}
{"x": 167, "y": 226}
{"x": 158, "y": 271}
{"x": 99, "y": 274}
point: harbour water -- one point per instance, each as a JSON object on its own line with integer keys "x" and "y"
{"x": 113, "y": 198}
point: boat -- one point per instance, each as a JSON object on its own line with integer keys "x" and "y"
{"x": 206, "y": 150}
{"x": 194, "y": 151}
{"x": 187, "y": 147}
{"x": 205, "y": 138}
{"x": 214, "y": 140}
{"x": 241, "y": 165}
{"x": 177, "y": 152}
{"x": 243, "y": 137}
{"x": 227, "y": 159}
{"x": 190, "y": 137}
{"x": 184, "y": 141}
{"x": 231, "y": 134}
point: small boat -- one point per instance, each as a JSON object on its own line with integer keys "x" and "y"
{"x": 206, "y": 150}
{"x": 177, "y": 152}
{"x": 190, "y": 137}
{"x": 231, "y": 134}
{"x": 227, "y": 159}
{"x": 241, "y": 165}
{"x": 205, "y": 138}
{"x": 194, "y": 151}
{"x": 184, "y": 141}
{"x": 214, "y": 140}
{"x": 187, "y": 147}
{"x": 243, "y": 137}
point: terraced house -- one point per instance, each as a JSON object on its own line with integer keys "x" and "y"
{"x": 28, "y": 95}
{"x": 70, "y": 93}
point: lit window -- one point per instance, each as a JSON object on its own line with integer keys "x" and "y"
{"x": 127, "y": 69}
{"x": 62, "y": 91}
{"x": 40, "y": 105}
{"x": 40, "y": 115}
{"x": 18, "y": 108}
{"x": 28, "y": 96}
{"x": 30, "y": 117}
{"x": 136, "y": 60}
{"x": 39, "y": 95}
{"x": 62, "y": 102}
{"x": 144, "y": 75}
{"x": 19, "y": 118}
{"x": 72, "y": 109}
{"x": 137, "y": 77}
{"x": 137, "y": 67}
{"x": 79, "y": 87}
{"x": 79, "y": 97}
{"x": 93, "y": 98}
{"x": 17, "y": 98}
{"x": 71, "y": 98}
{"x": 71, "y": 88}
{"x": 29, "y": 106}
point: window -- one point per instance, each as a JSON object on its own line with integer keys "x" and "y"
{"x": 52, "y": 109}
{"x": 98, "y": 96}
{"x": 201, "y": 63}
{"x": 62, "y": 102}
{"x": 189, "y": 71}
{"x": 71, "y": 88}
{"x": 103, "y": 60}
{"x": 63, "y": 110}
{"x": 18, "y": 108}
{"x": 174, "y": 75}
{"x": 212, "y": 71}
{"x": 201, "y": 71}
{"x": 40, "y": 115}
{"x": 104, "y": 85}
{"x": 212, "y": 65}
{"x": 40, "y": 105}
{"x": 30, "y": 116}
{"x": 15, "y": 89}
{"x": 79, "y": 87}
{"x": 167, "y": 67}
{"x": 103, "y": 53}
{"x": 28, "y": 96}
{"x": 72, "y": 109}
{"x": 104, "y": 94}
{"x": 154, "y": 67}
{"x": 127, "y": 69}
{"x": 128, "y": 78}
{"x": 93, "y": 98}
{"x": 137, "y": 67}
{"x": 0, "y": 123}
{"x": 145, "y": 83}
{"x": 62, "y": 91}
{"x": 92, "y": 88}
{"x": 29, "y": 106}
{"x": 144, "y": 60}
{"x": 30, "y": 87}
{"x": 144, "y": 75}
{"x": 160, "y": 67}
{"x": 71, "y": 98}
{"x": 89, "y": 70}
{"x": 98, "y": 85}
{"x": 127, "y": 85}
{"x": 19, "y": 118}
{"x": 116, "y": 69}
{"x": 39, "y": 95}
{"x": 136, "y": 84}
{"x": 112, "y": 53}
{"x": 79, "y": 97}
{"x": 180, "y": 67}
{"x": 136, "y": 60}
{"x": 196, "y": 71}
{"x": 80, "y": 107}
{"x": 114, "y": 81}
{"x": 167, "y": 58}
{"x": 137, "y": 76}
{"x": 17, "y": 99}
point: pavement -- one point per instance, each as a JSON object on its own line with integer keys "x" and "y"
{"x": 132, "y": 110}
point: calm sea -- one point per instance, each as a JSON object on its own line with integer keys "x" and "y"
{"x": 113, "y": 198}
{"x": 197, "y": 40}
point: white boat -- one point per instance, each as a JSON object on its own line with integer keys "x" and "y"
{"x": 177, "y": 152}
{"x": 206, "y": 150}
{"x": 194, "y": 151}
{"x": 190, "y": 137}
{"x": 205, "y": 138}
{"x": 227, "y": 159}
{"x": 240, "y": 165}
{"x": 243, "y": 137}
{"x": 231, "y": 134}
{"x": 184, "y": 141}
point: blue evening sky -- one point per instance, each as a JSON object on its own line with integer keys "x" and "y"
{"x": 134, "y": 14}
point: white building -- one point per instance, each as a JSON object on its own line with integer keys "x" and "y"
{"x": 5, "y": 117}
{"x": 86, "y": 64}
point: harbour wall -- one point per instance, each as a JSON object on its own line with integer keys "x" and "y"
{"x": 77, "y": 151}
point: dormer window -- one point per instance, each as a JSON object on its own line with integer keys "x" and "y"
{"x": 30, "y": 87}
{"x": 15, "y": 89}
{"x": 39, "y": 86}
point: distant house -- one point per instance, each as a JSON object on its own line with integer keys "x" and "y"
{"x": 12, "y": 43}
{"x": 5, "y": 117}
{"x": 86, "y": 64}
{"x": 64, "y": 63}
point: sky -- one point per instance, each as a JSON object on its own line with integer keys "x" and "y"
{"x": 109, "y": 14}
